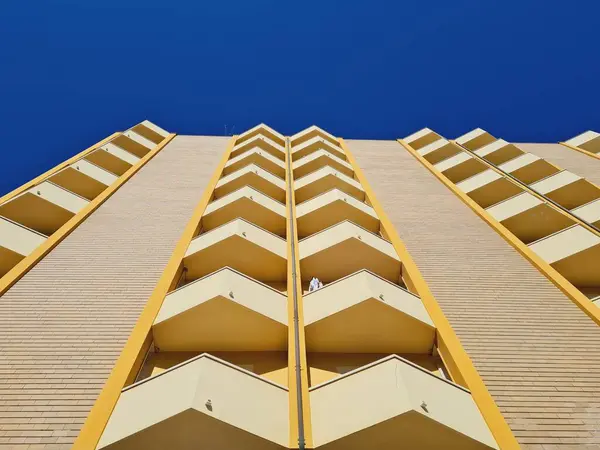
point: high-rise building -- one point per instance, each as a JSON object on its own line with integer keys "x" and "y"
{"x": 264, "y": 291}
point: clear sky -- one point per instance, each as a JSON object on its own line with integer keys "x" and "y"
{"x": 72, "y": 72}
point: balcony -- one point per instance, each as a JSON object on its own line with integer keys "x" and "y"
{"x": 315, "y": 144}
{"x": 439, "y": 150}
{"x": 258, "y": 157}
{"x": 528, "y": 217}
{"x": 326, "y": 179}
{"x": 249, "y": 204}
{"x": 574, "y": 252}
{"x": 16, "y": 242}
{"x": 590, "y": 212}
{"x": 318, "y": 160}
{"x": 330, "y": 208}
{"x": 259, "y": 142}
{"x": 84, "y": 179}
{"x": 590, "y": 141}
{"x": 262, "y": 130}
{"x": 204, "y": 402}
{"x": 498, "y": 152}
{"x": 460, "y": 167}
{"x": 475, "y": 139}
{"x": 112, "y": 159}
{"x": 134, "y": 143}
{"x": 528, "y": 168}
{"x": 43, "y": 208}
{"x": 393, "y": 403}
{"x": 311, "y": 133}
{"x": 346, "y": 248}
{"x": 488, "y": 188}
{"x": 422, "y": 138}
{"x": 224, "y": 311}
{"x": 242, "y": 246}
{"x": 335, "y": 318}
{"x": 567, "y": 189}
{"x": 150, "y": 131}
{"x": 253, "y": 176}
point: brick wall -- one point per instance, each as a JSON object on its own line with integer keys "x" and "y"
{"x": 538, "y": 354}
{"x": 63, "y": 325}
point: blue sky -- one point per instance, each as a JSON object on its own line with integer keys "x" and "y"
{"x": 74, "y": 71}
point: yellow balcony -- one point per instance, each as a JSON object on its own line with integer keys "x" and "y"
{"x": 590, "y": 141}
{"x": 43, "y": 208}
{"x": 528, "y": 168}
{"x": 84, "y": 179}
{"x": 363, "y": 313}
{"x": 475, "y": 139}
{"x": 567, "y": 189}
{"x": 439, "y": 150}
{"x": 488, "y": 188}
{"x": 319, "y": 159}
{"x": 326, "y": 179}
{"x": 315, "y": 144}
{"x": 259, "y": 142}
{"x": 253, "y": 176}
{"x": 150, "y": 131}
{"x": 460, "y": 167}
{"x": 203, "y": 403}
{"x": 574, "y": 252}
{"x": 262, "y": 130}
{"x": 224, "y": 311}
{"x": 16, "y": 242}
{"x": 311, "y": 133}
{"x": 528, "y": 217}
{"x": 422, "y": 138}
{"x": 499, "y": 151}
{"x": 242, "y": 246}
{"x": 589, "y": 212}
{"x": 258, "y": 157}
{"x": 333, "y": 207}
{"x": 346, "y": 248}
{"x": 249, "y": 204}
{"x": 134, "y": 143}
{"x": 396, "y": 404}
{"x": 112, "y": 158}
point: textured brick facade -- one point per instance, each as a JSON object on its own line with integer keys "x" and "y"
{"x": 63, "y": 325}
{"x": 538, "y": 354}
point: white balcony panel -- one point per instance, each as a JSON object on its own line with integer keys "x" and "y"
{"x": 589, "y": 212}
{"x": 565, "y": 243}
{"x": 478, "y": 181}
{"x": 395, "y": 404}
{"x": 453, "y": 161}
{"x": 334, "y": 318}
{"x": 475, "y": 139}
{"x": 312, "y": 132}
{"x": 583, "y": 138}
{"x": 19, "y": 239}
{"x": 519, "y": 162}
{"x": 554, "y": 182}
{"x": 513, "y": 206}
{"x": 224, "y": 311}
{"x": 316, "y": 160}
{"x": 314, "y": 144}
{"x": 259, "y": 157}
{"x": 203, "y": 403}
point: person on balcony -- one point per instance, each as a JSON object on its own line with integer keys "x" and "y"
{"x": 314, "y": 284}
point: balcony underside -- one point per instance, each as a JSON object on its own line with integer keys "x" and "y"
{"x": 224, "y": 311}
{"x": 318, "y": 160}
{"x": 326, "y": 181}
{"x": 109, "y": 161}
{"x": 494, "y": 192}
{"x": 259, "y": 158}
{"x": 79, "y": 183}
{"x": 254, "y": 177}
{"x": 536, "y": 223}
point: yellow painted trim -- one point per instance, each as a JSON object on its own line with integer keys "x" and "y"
{"x": 27, "y": 263}
{"x": 99, "y": 415}
{"x": 55, "y": 169}
{"x": 460, "y": 363}
{"x": 580, "y": 150}
{"x": 293, "y": 404}
{"x": 546, "y": 269}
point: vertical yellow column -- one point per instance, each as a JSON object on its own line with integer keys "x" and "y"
{"x": 296, "y": 337}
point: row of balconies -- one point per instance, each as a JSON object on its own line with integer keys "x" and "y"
{"x": 555, "y": 235}
{"x": 369, "y": 341}
{"x": 27, "y": 219}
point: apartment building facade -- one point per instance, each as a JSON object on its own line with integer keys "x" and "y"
{"x": 155, "y": 293}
